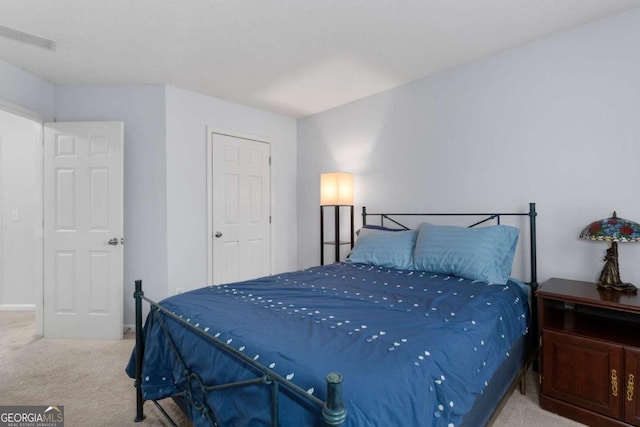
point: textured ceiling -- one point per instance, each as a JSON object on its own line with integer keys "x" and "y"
{"x": 291, "y": 57}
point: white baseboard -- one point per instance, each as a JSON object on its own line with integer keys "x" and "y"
{"x": 17, "y": 307}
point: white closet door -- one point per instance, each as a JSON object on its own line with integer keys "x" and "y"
{"x": 241, "y": 209}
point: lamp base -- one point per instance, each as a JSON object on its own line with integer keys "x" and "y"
{"x": 610, "y": 275}
{"x": 621, "y": 287}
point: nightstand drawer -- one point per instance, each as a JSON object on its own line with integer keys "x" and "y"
{"x": 583, "y": 372}
{"x": 630, "y": 396}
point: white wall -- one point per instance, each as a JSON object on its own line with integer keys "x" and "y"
{"x": 553, "y": 122}
{"x": 188, "y": 115}
{"x": 28, "y": 95}
{"x": 19, "y": 211}
{"x": 25, "y": 91}
{"x": 165, "y": 171}
{"x": 165, "y": 177}
{"x": 142, "y": 109}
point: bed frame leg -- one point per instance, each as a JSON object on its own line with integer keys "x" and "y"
{"x": 334, "y": 412}
{"x": 523, "y": 383}
{"x": 138, "y": 294}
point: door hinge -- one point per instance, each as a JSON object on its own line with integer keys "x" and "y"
{"x": 269, "y": 219}
{"x": 269, "y": 160}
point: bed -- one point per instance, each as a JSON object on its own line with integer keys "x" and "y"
{"x": 407, "y": 332}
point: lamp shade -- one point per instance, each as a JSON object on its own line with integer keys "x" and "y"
{"x": 336, "y": 188}
{"x": 612, "y": 229}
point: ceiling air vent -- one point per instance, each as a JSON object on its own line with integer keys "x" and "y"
{"x": 23, "y": 37}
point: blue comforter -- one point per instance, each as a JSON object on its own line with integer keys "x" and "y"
{"x": 414, "y": 348}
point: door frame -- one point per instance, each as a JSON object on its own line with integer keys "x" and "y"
{"x": 210, "y": 231}
{"x": 39, "y": 208}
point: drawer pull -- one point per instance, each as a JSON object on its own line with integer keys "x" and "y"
{"x": 614, "y": 383}
{"x": 630, "y": 387}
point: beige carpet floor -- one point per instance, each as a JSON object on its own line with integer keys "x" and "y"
{"x": 87, "y": 377}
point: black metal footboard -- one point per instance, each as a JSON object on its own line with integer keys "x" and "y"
{"x": 333, "y": 411}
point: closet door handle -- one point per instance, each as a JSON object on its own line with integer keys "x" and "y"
{"x": 630, "y": 387}
{"x": 218, "y": 234}
{"x": 113, "y": 241}
{"x": 614, "y": 383}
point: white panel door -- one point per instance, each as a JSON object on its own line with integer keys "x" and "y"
{"x": 241, "y": 209}
{"x": 83, "y": 230}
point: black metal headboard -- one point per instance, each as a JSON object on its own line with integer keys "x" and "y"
{"x": 393, "y": 218}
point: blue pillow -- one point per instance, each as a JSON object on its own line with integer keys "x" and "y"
{"x": 483, "y": 253}
{"x": 392, "y": 249}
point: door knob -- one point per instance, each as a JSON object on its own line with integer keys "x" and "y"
{"x": 113, "y": 241}
{"x": 218, "y": 234}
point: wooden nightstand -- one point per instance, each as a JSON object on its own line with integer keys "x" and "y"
{"x": 589, "y": 352}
